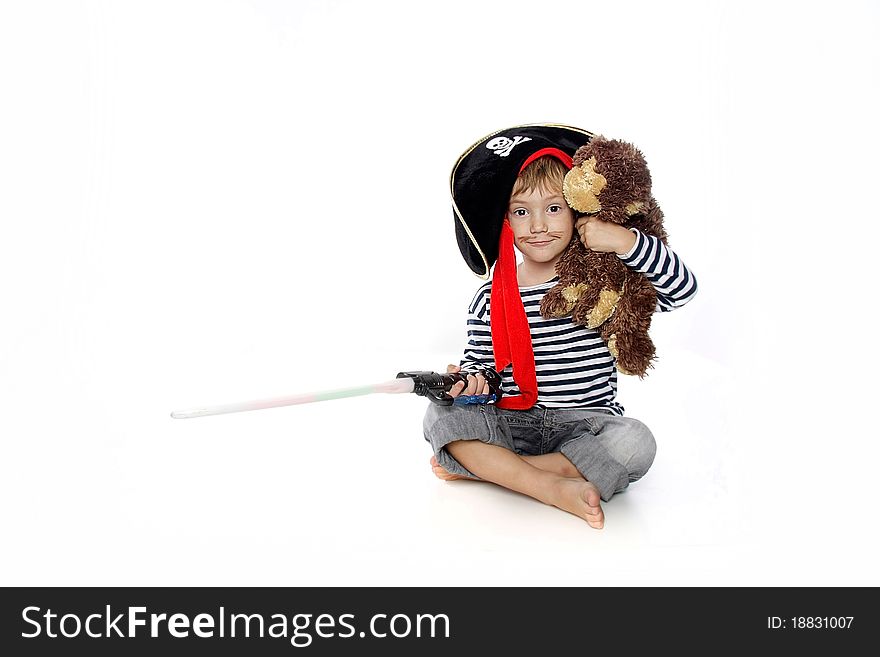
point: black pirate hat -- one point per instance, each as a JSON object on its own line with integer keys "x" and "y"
{"x": 483, "y": 178}
{"x": 481, "y": 182}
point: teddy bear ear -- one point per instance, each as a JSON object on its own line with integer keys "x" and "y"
{"x": 628, "y": 175}
{"x": 584, "y": 152}
{"x": 483, "y": 177}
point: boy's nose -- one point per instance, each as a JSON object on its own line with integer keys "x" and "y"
{"x": 539, "y": 224}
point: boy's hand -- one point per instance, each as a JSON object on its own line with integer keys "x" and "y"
{"x": 476, "y": 383}
{"x": 603, "y": 236}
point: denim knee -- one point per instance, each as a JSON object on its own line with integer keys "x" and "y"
{"x": 641, "y": 449}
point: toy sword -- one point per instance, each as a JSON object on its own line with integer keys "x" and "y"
{"x": 427, "y": 384}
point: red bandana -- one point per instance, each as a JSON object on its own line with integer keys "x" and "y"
{"x": 511, "y": 337}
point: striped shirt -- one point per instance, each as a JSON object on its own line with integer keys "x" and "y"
{"x": 574, "y": 366}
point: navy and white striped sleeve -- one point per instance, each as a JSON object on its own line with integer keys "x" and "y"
{"x": 674, "y": 282}
{"x": 478, "y": 353}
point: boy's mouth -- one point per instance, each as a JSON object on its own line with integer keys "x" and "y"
{"x": 539, "y": 243}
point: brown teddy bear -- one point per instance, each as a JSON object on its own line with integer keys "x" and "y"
{"x": 609, "y": 180}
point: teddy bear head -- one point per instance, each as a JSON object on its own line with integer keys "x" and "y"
{"x": 610, "y": 177}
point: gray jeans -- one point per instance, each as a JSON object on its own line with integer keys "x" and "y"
{"x": 608, "y": 450}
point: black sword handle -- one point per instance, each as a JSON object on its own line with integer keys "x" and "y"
{"x": 436, "y": 386}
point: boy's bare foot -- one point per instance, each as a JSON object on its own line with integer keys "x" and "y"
{"x": 573, "y": 494}
{"x": 581, "y": 498}
{"x": 441, "y": 473}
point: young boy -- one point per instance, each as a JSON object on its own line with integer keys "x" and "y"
{"x": 557, "y": 435}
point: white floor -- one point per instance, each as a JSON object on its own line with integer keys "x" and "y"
{"x": 340, "y": 493}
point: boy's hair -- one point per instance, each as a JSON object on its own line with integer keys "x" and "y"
{"x": 545, "y": 174}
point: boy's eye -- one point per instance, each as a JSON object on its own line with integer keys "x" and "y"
{"x": 555, "y": 208}
{"x": 519, "y": 212}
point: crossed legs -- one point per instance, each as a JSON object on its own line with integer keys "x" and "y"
{"x": 549, "y": 478}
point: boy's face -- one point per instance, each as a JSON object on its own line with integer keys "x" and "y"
{"x": 542, "y": 224}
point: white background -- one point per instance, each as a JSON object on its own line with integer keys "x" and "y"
{"x": 205, "y": 202}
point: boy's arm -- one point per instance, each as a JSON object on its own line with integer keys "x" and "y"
{"x": 478, "y": 354}
{"x": 646, "y": 254}
{"x": 673, "y": 281}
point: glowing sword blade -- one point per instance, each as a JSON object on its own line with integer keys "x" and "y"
{"x": 395, "y": 386}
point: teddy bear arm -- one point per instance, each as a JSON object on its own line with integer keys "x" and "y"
{"x": 554, "y": 303}
{"x": 594, "y": 308}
